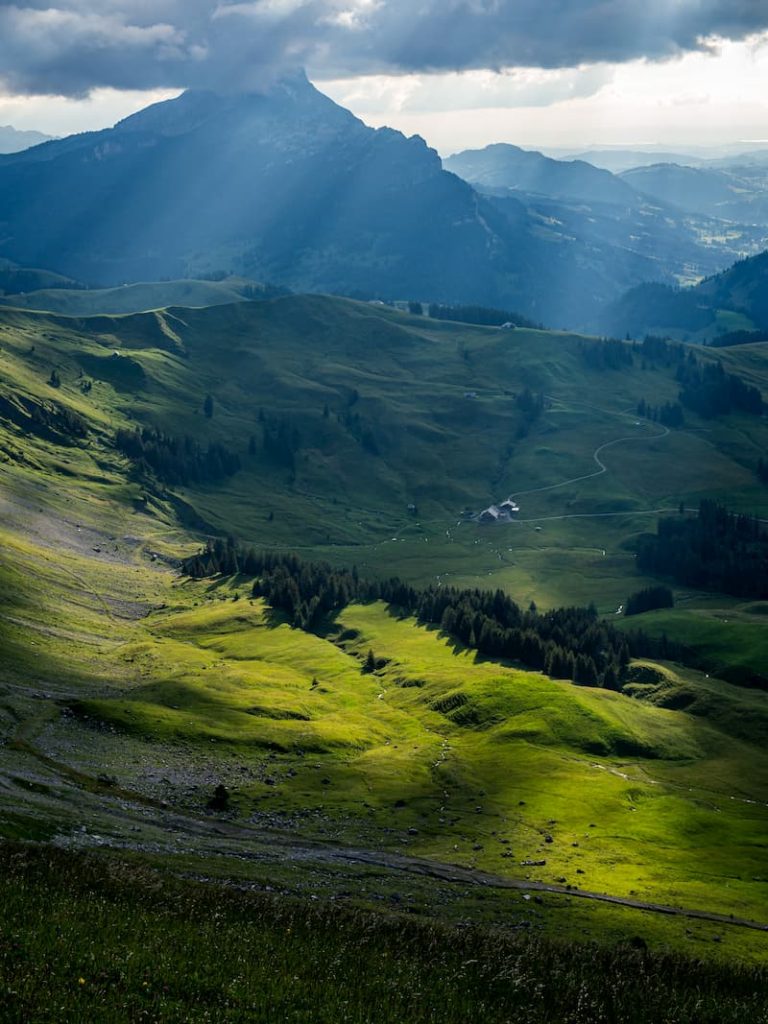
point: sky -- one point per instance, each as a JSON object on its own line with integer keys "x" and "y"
{"x": 461, "y": 73}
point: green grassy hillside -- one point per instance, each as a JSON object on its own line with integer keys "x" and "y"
{"x": 128, "y": 693}
{"x": 389, "y": 410}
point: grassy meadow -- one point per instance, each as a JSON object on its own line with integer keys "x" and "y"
{"x": 86, "y": 938}
{"x": 128, "y": 692}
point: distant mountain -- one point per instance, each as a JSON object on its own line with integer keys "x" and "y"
{"x": 284, "y": 182}
{"x": 509, "y": 167}
{"x": 618, "y": 160}
{"x": 703, "y": 190}
{"x": 595, "y": 214}
{"x": 735, "y": 300}
{"x": 14, "y": 141}
{"x": 750, "y": 158}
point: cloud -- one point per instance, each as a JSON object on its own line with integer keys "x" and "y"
{"x": 469, "y": 90}
{"x": 70, "y": 47}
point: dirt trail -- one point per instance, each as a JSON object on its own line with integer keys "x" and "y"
{"x": 450, "y": 873}
{"x": 315, "y": 851}
{"x": 129, "y": 812}
{"x": 265, "y": 843}
{"x": 602, "y": 468}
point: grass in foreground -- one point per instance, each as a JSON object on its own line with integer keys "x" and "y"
{"x": 91, "y": 938}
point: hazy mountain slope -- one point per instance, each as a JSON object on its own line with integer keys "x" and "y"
{"x": 607, "y": 235}
{"x": 505, "y": 166}
{"x": 285, "y": 187}
{"x": 736, "y": 299}
{"x": 742, "y": 288}
{"x": 704, "y": 190}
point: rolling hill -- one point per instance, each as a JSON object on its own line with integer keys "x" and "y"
{"x": 17, "y": 281}
{"x": 137, "y": 298}
{"x": 383, "y": 410}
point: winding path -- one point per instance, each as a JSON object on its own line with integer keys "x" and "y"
{"x": 602, "y": 468}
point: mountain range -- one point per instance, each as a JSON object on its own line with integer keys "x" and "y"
{"x": 288, "y": 187}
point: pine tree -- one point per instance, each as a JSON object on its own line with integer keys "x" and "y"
{"x": 220, "y": 799}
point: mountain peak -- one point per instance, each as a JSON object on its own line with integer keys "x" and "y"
{"x": 289, "y": 95}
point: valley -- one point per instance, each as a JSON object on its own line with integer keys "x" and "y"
{"x": 363, "y": 436}
{"x": 383, "y": 512}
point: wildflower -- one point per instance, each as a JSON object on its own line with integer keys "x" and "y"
{"x": 81, "y": 981}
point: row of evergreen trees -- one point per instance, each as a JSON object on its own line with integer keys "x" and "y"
{"x": 714, "y": 550}
{"x": 732, "y": 338}
{"x": 708, "y": 389}
{"x": 655, "y": 351}
{"x": 177, "y": 460}
{"x": 567, "y": 643}
{"x": 606, "y": 354}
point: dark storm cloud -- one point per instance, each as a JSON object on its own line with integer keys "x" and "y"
{"x": 72, "y": 46}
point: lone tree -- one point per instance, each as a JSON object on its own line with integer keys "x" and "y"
{"x": 54, "y": 380}
{"x": 220, "y": 799}
{"x": 370, "y": 662}
{"x": 208, "y": 406}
